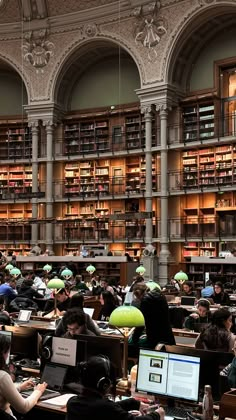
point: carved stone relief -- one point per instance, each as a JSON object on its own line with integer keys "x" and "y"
{"x": 37, "y": 49}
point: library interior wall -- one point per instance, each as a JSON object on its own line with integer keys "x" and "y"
{"x": 105, "y": 84}
{"x": 222, "y": 46}
{"x": 13, "y": 94}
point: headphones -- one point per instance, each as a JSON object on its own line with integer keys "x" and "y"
{"x": 104, "y": 383}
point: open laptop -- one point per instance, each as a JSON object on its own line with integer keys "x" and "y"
{"x": 54, "y": 374}
{"x": 23, "y": 316}
{"x": 187, "y": 301}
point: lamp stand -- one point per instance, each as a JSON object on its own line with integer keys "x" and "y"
{"x": 123, "y": 386}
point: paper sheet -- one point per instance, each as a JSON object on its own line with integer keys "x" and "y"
{"x": 59, "y": 401}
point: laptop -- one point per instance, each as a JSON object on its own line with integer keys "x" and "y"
{"x": 187, "y": 301}
{"x": 23, "y": 316}
{"x": 54, "y": 374}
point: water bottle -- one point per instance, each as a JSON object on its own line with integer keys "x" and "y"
{"x": 207, "y": 404}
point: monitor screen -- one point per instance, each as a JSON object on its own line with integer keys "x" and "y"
{"x": 25, "y": 342}
{"x": 88, "y": 346}
{"x": 169, "y": 374}
{"x": 9, "y": 335}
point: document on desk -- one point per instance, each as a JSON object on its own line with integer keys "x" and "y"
{"x": 59, "y": 401}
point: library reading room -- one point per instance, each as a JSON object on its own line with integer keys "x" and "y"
{"x": 117, "y": 209}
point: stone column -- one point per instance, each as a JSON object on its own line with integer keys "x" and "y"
{"x": 49, "y": 184}
{"x": 164, "y": 242}
{"x": 147, "y": 111}
{"x": 35, "y": 142}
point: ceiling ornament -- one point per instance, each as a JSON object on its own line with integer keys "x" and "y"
{"x": 90, "y": 30}
{"x": 3, "y": 3}
{"x": 37, "y": 49}
{"x": 150, "y": 27}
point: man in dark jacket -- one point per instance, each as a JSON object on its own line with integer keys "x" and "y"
{"x": 91, "y": 401}
{"x": 155, "y": 310}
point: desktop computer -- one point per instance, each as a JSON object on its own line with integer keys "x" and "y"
{"x": 173, "y": 376}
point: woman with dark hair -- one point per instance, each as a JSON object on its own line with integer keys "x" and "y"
{"x": 77, "y": 302}
{"x": 217, "y": 335}
{"x": 219, "y": 296}
{"x": 188, "y": 289}
{"x": 108, "y": 305}
{"x": 9, "y": 392}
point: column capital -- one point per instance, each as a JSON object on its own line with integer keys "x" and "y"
{"x": 49, "y": 124}
{"x": 147, "y": 110}
{"x": 163, "y": 108}
{"x": 33, "y": 124}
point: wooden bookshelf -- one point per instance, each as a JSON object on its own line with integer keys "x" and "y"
{"x": 15, "y": 180}
{"x": 198, "y": 122}
{"x": 15, "y": 140}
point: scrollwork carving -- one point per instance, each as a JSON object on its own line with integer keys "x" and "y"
{"x": 150, "y": 28}
{"x": 90, "y": 30}
{"x": 37, "y": 49}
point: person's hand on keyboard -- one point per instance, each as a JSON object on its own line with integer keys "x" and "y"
{"x": 41, "y": 387}
{"x": 29, "y": 383}
{"x": 161, "y": 412}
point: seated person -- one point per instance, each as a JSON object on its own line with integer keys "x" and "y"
{"x": 77, "y": 302}
{"x": 79, "y": 284}
{"x": 171, "y": 286}
{"x": 74, "y": 321}
{"x": 201, "y": 316}
{"x": 217, "y": 335}
{"x": 26, "y": 290}
{"x": 188, "y": 289}
{"x": 230, "y": 370}
{"x": 220, "y": 297}
{"x": 2, "y": 306}
{"x": 91, "y": 402}
{"x": 9, "y": 392}
{"x": 63, "y": 301}
{"x": 108, "y": 305}
{"x": 208, "y": 290}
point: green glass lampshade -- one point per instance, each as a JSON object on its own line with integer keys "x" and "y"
{"x": 15, "y": 272}
{"x": 181, "y": 276}
{"x": 66, "y": 273}
{"x": 9, "y": 267}
{"x": 47, "y": 268}
{"x": 141, "y": 270}
{"x": 90, "y": 269}
{"x": 56, "y": 284}
{"x": 127, "y": 317}
{"x": 152, "y": 285}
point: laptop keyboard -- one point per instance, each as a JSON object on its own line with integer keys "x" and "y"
{"x": 176, "y": 412}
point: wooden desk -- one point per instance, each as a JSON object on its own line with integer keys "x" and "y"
{"x": 39, "y": 325}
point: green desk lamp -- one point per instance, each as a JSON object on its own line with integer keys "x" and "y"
{"x": 55, "y": 284}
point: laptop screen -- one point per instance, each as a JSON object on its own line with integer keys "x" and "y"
{"x": 54, "y": 375}
{"x": 24, "y": 316}
{"x": 188, "y": 300}
{"x": 172, "y": 375}
{"x": 89, "y": 311}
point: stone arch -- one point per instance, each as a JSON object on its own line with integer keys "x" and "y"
{"x": 9, "y": 63}
{"x": 86, "y": 52}
{"x": 192, "y": 34}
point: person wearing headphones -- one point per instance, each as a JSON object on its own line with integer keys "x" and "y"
{"x": 91, "y": 401}
{"x": 201, "y": 316}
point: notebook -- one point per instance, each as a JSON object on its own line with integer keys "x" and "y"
{"x": 187, "y": 300}
{"x": 54, "y": 374}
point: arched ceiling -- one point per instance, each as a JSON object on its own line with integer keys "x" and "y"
{"x": 83, "y": 58}
{"x": 192, "y": 39}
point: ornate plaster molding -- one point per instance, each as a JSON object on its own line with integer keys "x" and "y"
{"x": 150, "y": 27}
{"x": 37, "y": 49}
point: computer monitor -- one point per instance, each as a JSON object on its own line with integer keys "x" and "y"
{"x": 9, "y": 335}
{"x": 211, "y": 362}
{"x": 172, "y": 375}
{"x": 25, "y": 342}
{"x": 88, "y": 346}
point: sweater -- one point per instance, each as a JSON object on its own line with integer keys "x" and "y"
{"x": 10, "y": 396}
{"x": 94, "y": 406}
